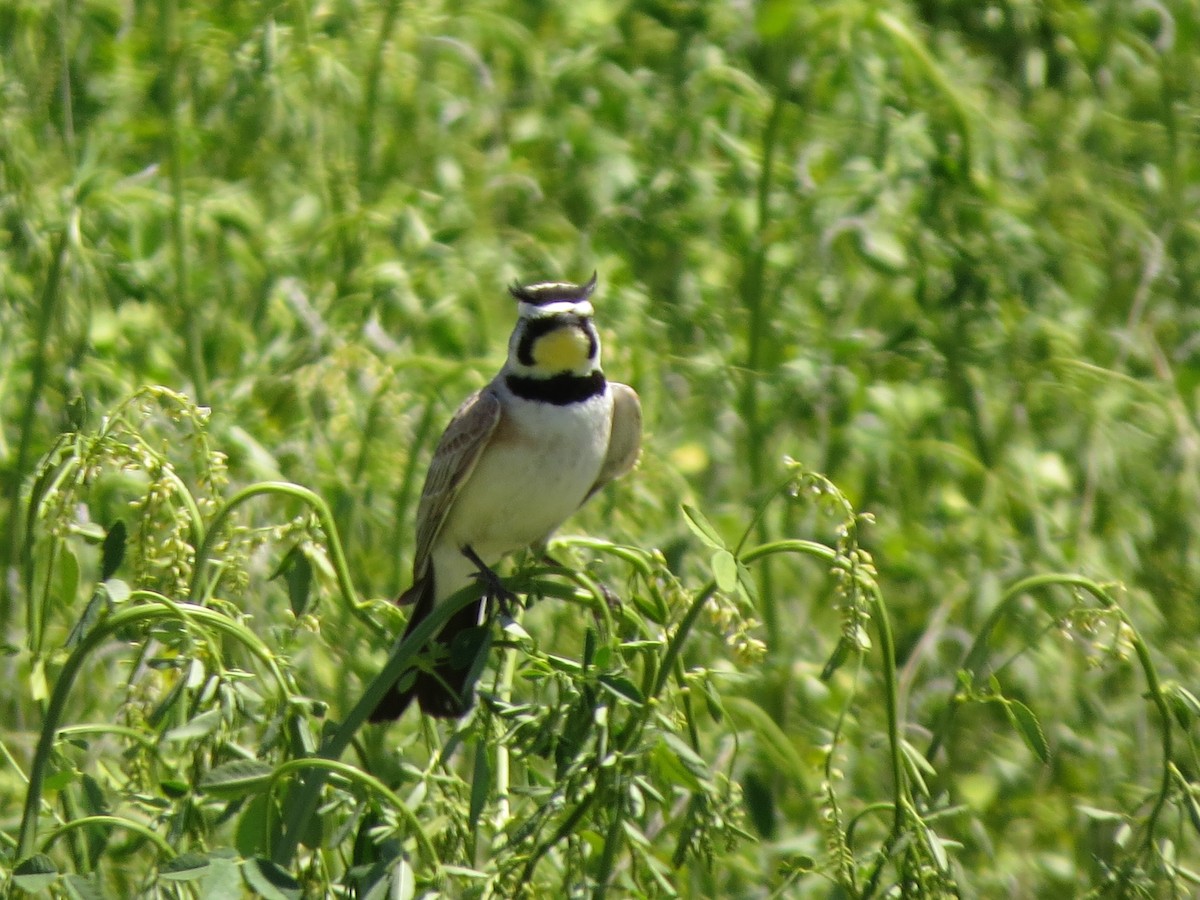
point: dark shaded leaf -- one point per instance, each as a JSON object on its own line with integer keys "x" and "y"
{"x": 185, "y": 867}
{"x": 112, "y": 553}
{"x": 270, "y": 881}
{"x": 35, "y": 874}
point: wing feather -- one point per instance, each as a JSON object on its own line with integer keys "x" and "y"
{"x": 454, "y": 459}
{"x": 624, "y": 437}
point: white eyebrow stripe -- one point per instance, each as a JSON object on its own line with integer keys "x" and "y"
{"x": 557, "y": 308}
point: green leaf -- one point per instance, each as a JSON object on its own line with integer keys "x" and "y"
{"x": 270, "y": 881}
{"x": 403, "y": 882}
{"x": 201, "y": 726}
{"x": 175, "y": 788}
{"x": 66, "y": 578}
{"x": 118, "y": 591}
{"x": 77, "y": 410}
{"x": 760, "y": 803}
{"x": 673, "y": 770}
{"x": 918, "y": 766}
{"x": 838, "y": 658}
{"x": 35, "y": 873}
{"x": 747, "y": 585}
{"x": 702, "y": 528}
{"x": 112, "y": 552}
{"x": 882, "y": 250}
{"x": 712, "y": 701}
{"x": 224, "y": 879}
{"x": 299, "y": 582}
{"x": 773, "y": 18}
{"x": 297, "y": 572}
{"x": 83, "y": 887}
{"x": 623, "y": 688}
{"x": 1029, "y": 727}
{"x": 1099, "y": 815}
{"x": 1183, "y": 703}
{"x": 1193, "y": 808}
{"x": 937, "y": 848}
{"x": 251, "y": 837}
{"x": 695, "y": 764}
{"x": 725, "y": 570}
{"x": 38, "y": 689}
{"x": 748, "y": 715}
{"x": 61, "y": 775}
{"x": 481, "y": 784}
{"x": 185, "y": 867}
{"x": 238, "y": 778}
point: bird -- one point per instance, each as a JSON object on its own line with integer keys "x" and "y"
{"x": 518, "y": 457}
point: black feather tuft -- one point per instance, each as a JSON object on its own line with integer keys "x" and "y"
{"x": 553, "y": 292}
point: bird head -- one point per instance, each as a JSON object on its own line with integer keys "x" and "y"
{"x": 554, "y": 333}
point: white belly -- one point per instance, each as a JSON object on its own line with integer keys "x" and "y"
{"x": 537, "y": 470}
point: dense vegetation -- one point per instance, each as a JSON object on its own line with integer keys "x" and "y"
{"x": 907, "y": 576}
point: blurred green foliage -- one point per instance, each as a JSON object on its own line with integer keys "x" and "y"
{"x": 944, "y": 253}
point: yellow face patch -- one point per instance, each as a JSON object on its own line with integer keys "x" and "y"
{"x": 562, "y": 350}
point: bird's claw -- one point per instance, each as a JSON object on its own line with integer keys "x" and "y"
{"x": 506, "y": 601}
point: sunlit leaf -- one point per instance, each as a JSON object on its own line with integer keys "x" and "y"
{"x": 725, "y": 570}
{"x": 1029, "y": 728}
{"x": 702, "y": 528}
{"x": 185, "y": 867}
{"x": 236, "y": 778}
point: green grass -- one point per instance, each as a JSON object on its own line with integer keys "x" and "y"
{"x": 944, "y": 255}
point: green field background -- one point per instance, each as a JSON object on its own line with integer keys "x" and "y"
{"x": 902, "y": 597}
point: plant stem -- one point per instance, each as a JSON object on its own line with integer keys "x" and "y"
{"x": 302, "y": 801}
{"x": 199, "y": 593}
{"x": 367, "y": 185}
{"x": 192, "y": 326}
{"x": 758, "y": 333}
{"x": 48, "y": 310}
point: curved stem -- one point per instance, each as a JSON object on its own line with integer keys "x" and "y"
{"x": 977, "y": 655}
{"x": 1154, "y": 689}
{"x": 891, "y": 704}
{"x": 112, "y": 822}
{"x": 324, "y": 516}
{"x": 195, "y": 518}
{"x": 351, "y": 773}
{"x": 809, "y": 548}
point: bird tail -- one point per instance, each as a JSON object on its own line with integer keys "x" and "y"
{"x": 444, "y": 691}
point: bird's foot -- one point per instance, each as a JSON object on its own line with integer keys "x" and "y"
{"x": 506, "y": 601}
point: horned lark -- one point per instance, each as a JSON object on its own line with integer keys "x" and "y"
{"x": 518, "y": 457}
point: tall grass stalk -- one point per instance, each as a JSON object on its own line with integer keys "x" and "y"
{"x": 47, "y": 313}
{"x": 174, "y": 51}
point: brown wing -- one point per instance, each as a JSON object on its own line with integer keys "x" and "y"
{"x": 454, "y": 459}
{"x": 624, "y": 437}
